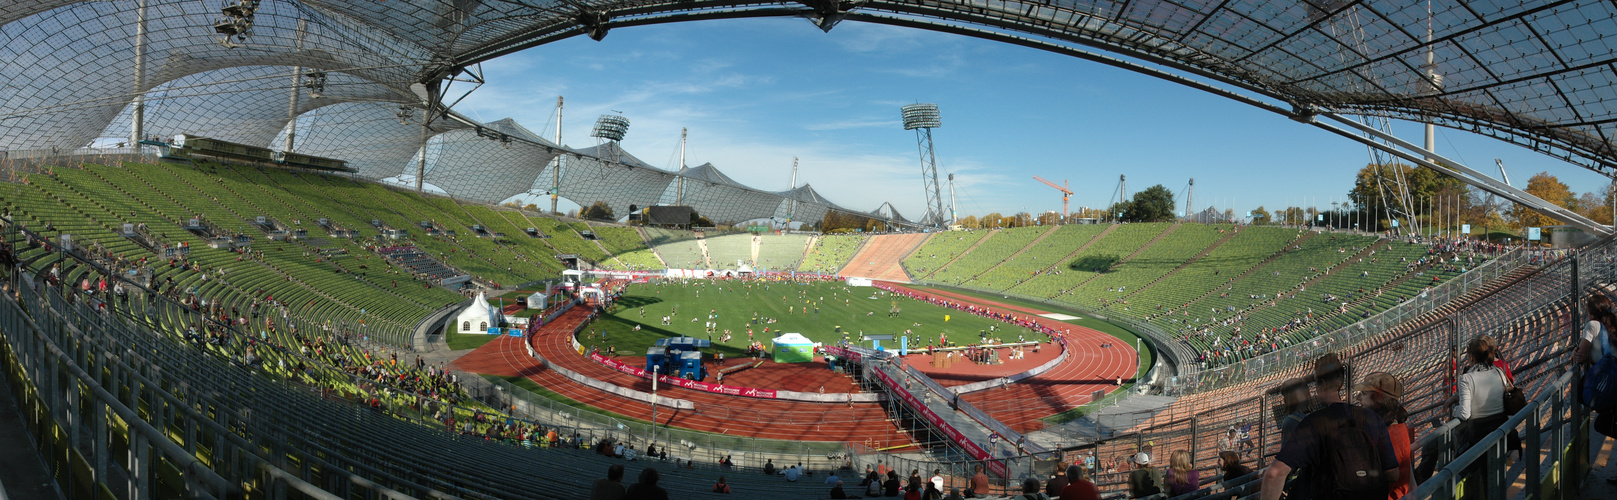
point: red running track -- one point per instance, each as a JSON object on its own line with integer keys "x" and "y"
{"x": 1089, "y": 367}
{"x": 738, "y": 416}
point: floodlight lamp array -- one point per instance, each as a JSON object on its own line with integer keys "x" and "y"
{"x": 236, "y": 21}
{"x": 315, "y": 81}
{"x": 921, "y": 116}
{"x": 611, "y": 127}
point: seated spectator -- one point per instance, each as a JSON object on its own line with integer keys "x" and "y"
{"x": 872, "y": 484}
{"x": 720, "y": 487}
{"x": 769, "y": 467}
{"x": 792, "y": 473}
{"x": 1230, "y": 463}
{"x": 1030, "y": 491}
{"x": 837, "y": 492}
{"x": 979, "y": 484}
{"x": 912, "y": 491}
{"x": 832, "y": 478}
{"x": 1144, "y": 481}
{"x": 891, "y": 486}
{"x": 1078, "y": 485}
{"x": 647, "y": 488}
{"x": 954, "y": 494}
{"x": 629, "y": 453}
{"x": 1057, "y": 482}
{"x": 609, "y": 487}
{"x": 1182, "y": 478}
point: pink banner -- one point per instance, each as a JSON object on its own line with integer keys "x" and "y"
{"x": 843, "y": 353}
{"x": 971, "y": 447}
{"x": 728, "y": 390}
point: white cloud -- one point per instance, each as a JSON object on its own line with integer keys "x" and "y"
{"x": 854, "y": 123}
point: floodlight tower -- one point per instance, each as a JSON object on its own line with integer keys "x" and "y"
{"x": 1190, "y": 196}
{"x": 922, "y": 118}
{"x": 791, "y": 196}
{"x": 609, "y": 131}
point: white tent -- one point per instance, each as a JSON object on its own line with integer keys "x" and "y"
{"x": 477, "y": 317}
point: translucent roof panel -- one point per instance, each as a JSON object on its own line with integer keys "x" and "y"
{"x": 1537, "y": 73}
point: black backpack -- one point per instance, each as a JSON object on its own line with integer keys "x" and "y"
{"x": 1351, "y": 461}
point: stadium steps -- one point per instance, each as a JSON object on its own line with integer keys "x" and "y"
{"x": 646, "y": 239}
{"x": 1228, "y": 235}
{"x": 1125, "y": 258}
{"x": 701, "y": 244}
{"x": 882, "y": 256}
{"x": 1360, "y": 301}
{"x": 960, "y": 255}
{"x": 1013, "y": 256}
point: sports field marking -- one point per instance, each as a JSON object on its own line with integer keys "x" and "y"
{"x": 1059, "y": 317}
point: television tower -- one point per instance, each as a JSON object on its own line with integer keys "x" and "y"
{"x": 922, "y": 118}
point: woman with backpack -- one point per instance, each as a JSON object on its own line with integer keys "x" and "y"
{"x": 1480, "y": 401}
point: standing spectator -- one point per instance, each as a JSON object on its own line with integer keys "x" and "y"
{"x": 1228, "y": 442}
{"x": 1182, "y": 478}
{"x": 1078, "y": 485}
{"x": 1057, "y": 482}
{"x": 609, "y": 487}
{"x": 1296, "y": 403}
{"x": 1597, "y": 342}
{"x": 1381, "y": 392}
{"x": 1144, "y": 481}
{"x": 646, "y": 488}
{"x": 1480, "y": 401}
{"x": 979, "y": 484}
{"x": 1343, "y": 450}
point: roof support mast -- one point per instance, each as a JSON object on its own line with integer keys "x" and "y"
{"x": 555, "y": 172}
{"x": 679, "y": 192}
{"x": 297, "y": 89}
{"x": 137, "y": 113}
{"x": 791, "y": 201}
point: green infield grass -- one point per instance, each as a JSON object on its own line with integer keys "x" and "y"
{"x": 856, "y": 311}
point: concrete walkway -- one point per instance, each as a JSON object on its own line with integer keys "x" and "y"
{"x": 22, "y": 471}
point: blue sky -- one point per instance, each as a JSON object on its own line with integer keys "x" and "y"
{"x": 754, "y": 93}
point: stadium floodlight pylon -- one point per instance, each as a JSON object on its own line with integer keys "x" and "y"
{"x": 610, "y": 129}
{"x": 922, "y": 118}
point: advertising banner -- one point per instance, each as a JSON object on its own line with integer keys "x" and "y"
{"x": 730, "y": 390}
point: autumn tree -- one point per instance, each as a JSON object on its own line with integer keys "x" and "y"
{"x": 969, "y": 222}
{"x": 1546, "y": 187}
{"x": 1261, "y": 216}
{"x": 993, "y": 220}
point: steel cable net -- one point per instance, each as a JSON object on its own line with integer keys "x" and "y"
{"x": 487, "y": 166}
{"x": 1535, "y": 73}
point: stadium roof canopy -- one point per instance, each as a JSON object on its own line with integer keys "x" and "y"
{"x": 1537, "y": 73}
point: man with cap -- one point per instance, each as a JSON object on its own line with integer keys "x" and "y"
{"x": 1381, "y": 392}
{"x": 1343, "y": 450}
{"x": 1145, "y": 480}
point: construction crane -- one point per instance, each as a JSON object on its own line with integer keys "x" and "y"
{"x": 1066, "y": 194}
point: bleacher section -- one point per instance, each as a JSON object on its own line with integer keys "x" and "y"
{"x": 725, "y": 251}
{"x": 998, "y": 247}
{"x": 830, "y": 252}
{"x": 780, "y": 252}
{"x": 627, "y": 248}
{"x": 677, "y": 248}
